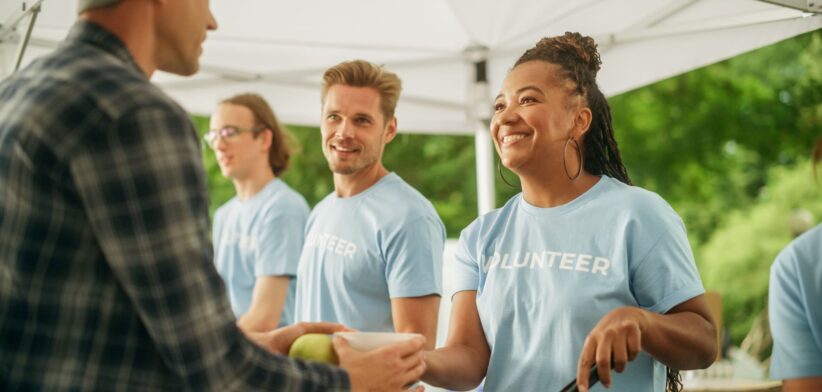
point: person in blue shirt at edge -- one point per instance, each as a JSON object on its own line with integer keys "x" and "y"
{"x": 372, "y": 257}
{"x": 581, "y": 267}
{"x": 794, "y": 312}
{"x": 107, "y": 278}
{"x": 258, "y": 234}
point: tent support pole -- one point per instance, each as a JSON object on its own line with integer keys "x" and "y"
{"x": 21, "y": 50}
{"x": 480, "y": 114}
{"x": 485, "y": 168}
{"x": 8, "y": 27}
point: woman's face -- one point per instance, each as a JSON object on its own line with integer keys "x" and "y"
{"x": 535, "y": 113}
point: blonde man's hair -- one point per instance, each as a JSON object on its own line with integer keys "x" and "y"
{"x": 361, "y": 73}
{"x": 264, "y": 117}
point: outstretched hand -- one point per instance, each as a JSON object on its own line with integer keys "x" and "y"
{"x": 279, "y": 341}
{"x": 390, "y": 368}
{"x": 614, "y": 341}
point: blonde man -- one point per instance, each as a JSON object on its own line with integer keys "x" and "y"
{"x": 373, "y": 253}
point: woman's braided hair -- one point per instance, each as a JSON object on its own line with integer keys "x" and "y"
{"x": 579, "y": 59}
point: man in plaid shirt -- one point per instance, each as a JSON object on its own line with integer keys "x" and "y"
{"x": 106, "y": 274}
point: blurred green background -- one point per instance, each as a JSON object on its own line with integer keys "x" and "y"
{"x": 728, "y": 146}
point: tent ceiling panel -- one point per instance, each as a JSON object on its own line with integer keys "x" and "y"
{"x": 425, "y": 26}
{"x": 667, "y": 56}
{"x": 281, "y": 49}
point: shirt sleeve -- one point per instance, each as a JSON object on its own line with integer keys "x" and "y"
{"x": 666, "y": 275}
{"x": 796, "y": 353}
{"x": 466, "y": 268}
{"x": 142, "y": 184}
{"x": 281, "y": 241}
{"x": 216, "y": 227}
{"x": 414, "y": 259}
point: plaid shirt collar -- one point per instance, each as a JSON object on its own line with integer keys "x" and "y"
{"x": 86, "y": 32}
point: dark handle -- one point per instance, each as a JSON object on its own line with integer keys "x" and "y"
{"x": 593, "y": 378}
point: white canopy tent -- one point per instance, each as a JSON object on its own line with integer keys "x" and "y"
{"x": 451, "y": 54}
{"x": 280, "y": 49}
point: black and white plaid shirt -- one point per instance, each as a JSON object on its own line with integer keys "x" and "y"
{"x": 106, "y": 273}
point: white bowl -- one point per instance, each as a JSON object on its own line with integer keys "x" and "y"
{"x": 367, "y": 341}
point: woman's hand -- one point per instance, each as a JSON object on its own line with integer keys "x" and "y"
{"x": 683, "y": 338}
{"x": 614, "y": 341}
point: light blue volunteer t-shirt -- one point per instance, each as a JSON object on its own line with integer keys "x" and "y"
{"x": 546, "y": 276}
{"x": 795, "y": 308}
{"x": 260, "y": 236}
{"x": 361, "y": 251}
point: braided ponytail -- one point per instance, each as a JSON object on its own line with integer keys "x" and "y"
{"x": 580, "y": 62}
{"x": 579, "y": 59}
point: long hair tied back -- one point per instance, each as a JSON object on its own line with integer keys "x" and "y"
{"x": 578, "y": 57}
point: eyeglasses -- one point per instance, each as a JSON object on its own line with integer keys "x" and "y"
{"x": 228, "y": 133}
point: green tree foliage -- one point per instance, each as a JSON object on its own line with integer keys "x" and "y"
{"x": 736, "y": 260}
{"x": 443, "y": 170}
{"x": 706, "y": 139}
{"x": 727, "y": 146}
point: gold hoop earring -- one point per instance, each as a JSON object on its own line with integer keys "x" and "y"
{"x": 501, "y": 176}
{"x": 565, "y": 162}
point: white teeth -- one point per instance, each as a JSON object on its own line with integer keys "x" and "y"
{"x": 338, "y": 148}
{"x": 512, "y": 138}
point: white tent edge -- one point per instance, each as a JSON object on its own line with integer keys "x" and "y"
{"x": 477, "y": 107}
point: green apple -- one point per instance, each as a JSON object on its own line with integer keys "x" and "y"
{"x": 314, "y": 347}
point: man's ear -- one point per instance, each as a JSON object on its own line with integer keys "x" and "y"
{"x": 391, "y": 130}
{"x": 266, "y": 138}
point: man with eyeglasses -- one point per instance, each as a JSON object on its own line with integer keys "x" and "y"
{"x": 107, "y": 278}
{"x": 258, "y": 234}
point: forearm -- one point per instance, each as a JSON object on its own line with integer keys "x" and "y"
{"x": 253, "y": 325}
{"x": 267, "y": 304}
{"x": 249, "y": 323}
{"x": 427, "y": 329}
{"x": 683, "y": 340}
{"x": 456, "y": 367}
{"x": 802, "y": 384}
{"x": 417, "y": 315}
{"x": 463, "y": 362}
{"x": 261, "y": 320}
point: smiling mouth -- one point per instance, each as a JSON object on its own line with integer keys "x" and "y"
{"x": 511, "y": 139}
{"x": 345, "y": 150}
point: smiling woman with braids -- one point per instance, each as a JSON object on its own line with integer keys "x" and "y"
{"x": 581, "y": 267}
